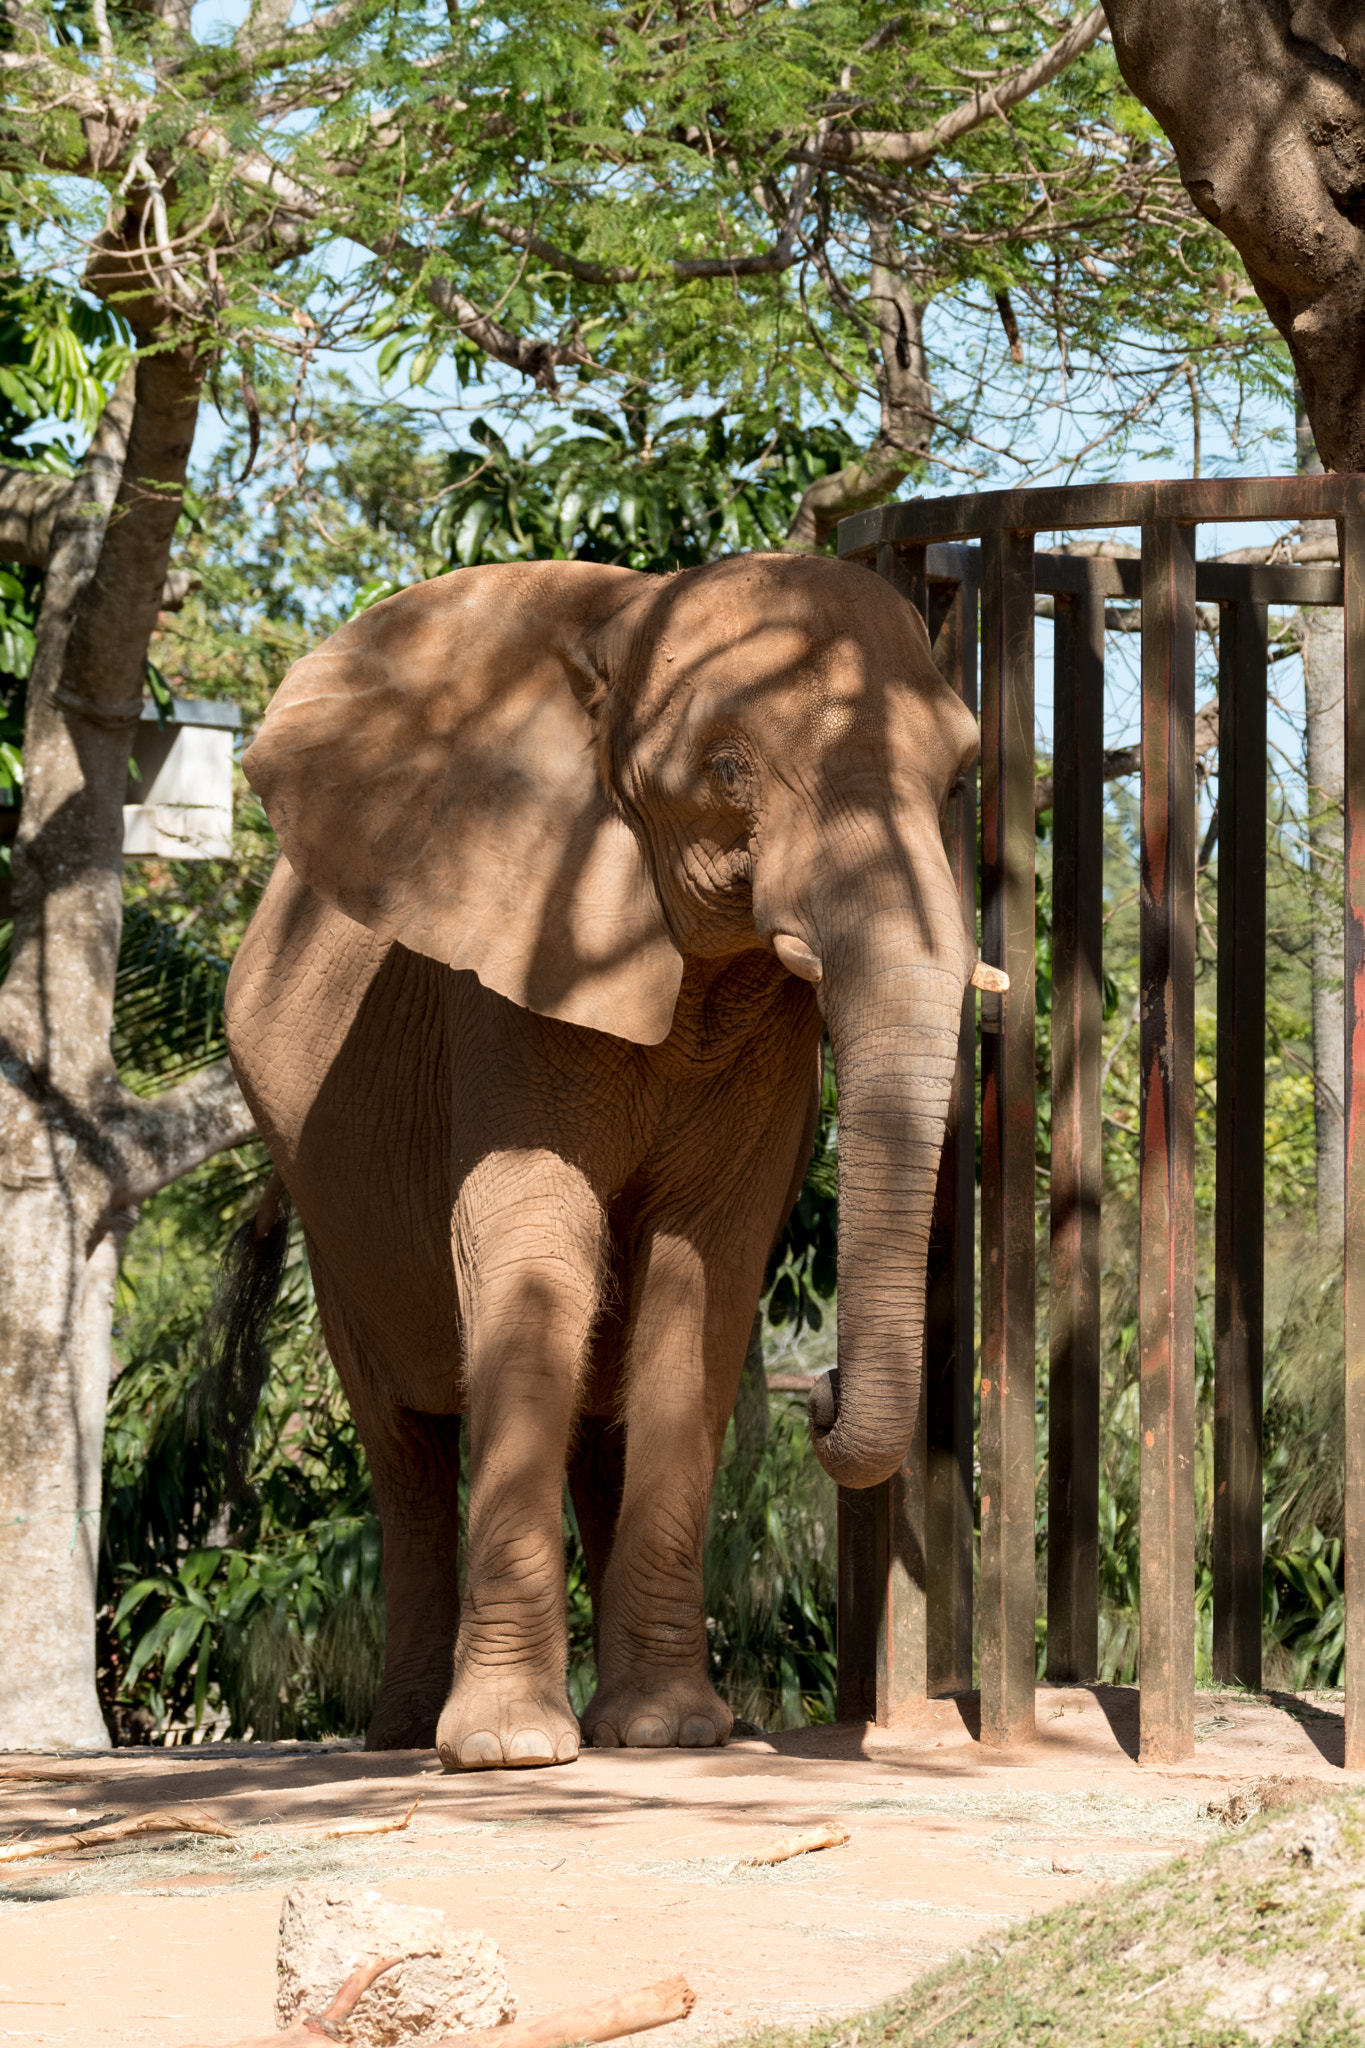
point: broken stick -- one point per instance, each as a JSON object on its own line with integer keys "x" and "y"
{"x": 634, "y": 2012}
{"x": 178, "y": 1821}
{"x": 349, "y": 1996}
{"x": 829, "y": 1835}
{"x": 373, "y": 1827}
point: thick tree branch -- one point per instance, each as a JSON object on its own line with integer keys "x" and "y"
{"x": 537, "y": 359}
{"x": 169, "y": 1135}
{"x": 29, "y": 505}
{"x": 894, "y": 323}
{"x": 989, "y": 102}
{"x": 1264, "y": 102}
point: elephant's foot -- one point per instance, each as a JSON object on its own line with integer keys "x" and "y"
{"x": 667, "y": 1713}
{"x": 487, "y": 1728}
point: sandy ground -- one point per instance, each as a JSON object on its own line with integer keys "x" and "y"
{"x": 615, "y": 1870}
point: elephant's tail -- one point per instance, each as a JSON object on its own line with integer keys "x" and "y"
{"x": 232, "y": 1343}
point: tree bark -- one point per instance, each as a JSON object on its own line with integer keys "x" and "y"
{"x": 1264, "y": 104}
{"x": 1324, "y": 659}
{"x": 78, "y": 1151}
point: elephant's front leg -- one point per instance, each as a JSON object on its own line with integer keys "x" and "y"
{"x": 529, "y": 1238}
{"x": 686, "y": 1353}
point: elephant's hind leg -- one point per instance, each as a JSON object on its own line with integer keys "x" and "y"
{"x": 414, "y": 1464}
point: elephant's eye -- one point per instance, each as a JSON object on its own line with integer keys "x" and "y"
{"x": 728, "y": 771}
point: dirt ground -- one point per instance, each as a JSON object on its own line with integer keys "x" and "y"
{"x": 618, "y": 1869}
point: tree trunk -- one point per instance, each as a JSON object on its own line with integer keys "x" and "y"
{"x": 1324, "y": 654}
{"x": 78, "y": 1151}
{"x": 1264, "y": 104}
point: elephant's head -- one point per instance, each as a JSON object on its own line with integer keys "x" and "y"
{"x": 568, "y": 777}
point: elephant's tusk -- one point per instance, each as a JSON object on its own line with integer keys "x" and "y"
{"x": 797, "y": 957}
{"x": 993, "y": 980}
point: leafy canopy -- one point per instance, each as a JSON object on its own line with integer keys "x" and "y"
{"x": 639, "y": 202}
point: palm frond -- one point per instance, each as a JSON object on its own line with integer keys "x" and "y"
{"x": 168, "y": 1002}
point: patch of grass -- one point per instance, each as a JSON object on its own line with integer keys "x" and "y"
{"x": 1258, "y": 1937}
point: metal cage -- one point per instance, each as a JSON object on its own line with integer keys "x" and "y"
{"x": 906, "y": 1548}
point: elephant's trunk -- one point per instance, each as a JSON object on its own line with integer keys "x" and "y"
{"x": 893, "y": 1003}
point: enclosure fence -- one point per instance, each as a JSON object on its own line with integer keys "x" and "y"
{"x": 906, "y": 1548}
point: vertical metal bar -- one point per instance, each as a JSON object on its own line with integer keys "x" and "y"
{"x": 950, "y": 1335}
{"x": 1008, "y": 1599}
{"x": 901, "y": 1617}
{"x": 859, "y": 1605}
{"x": 1239, "y": 1225}
{"x": 906, "y": 570}
{"x": 1077, "y": 1018}
{"x": 1352, "y": 533}
{"x": 1167, "y": 1253}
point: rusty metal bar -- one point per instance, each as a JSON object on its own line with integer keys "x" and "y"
{"x": 1250, "y": 583}
{"x": 1239, "y": 1223}
{"x": 1214, "y": 582}
{"x": 860, "y": 1584}
{"x": 1008, "y": 1599}
{"x": 1077, "y": 1020}
{"x": 1069, "y": 507}
{"x": 903, "y": 1585}
{"x": 950, "y": 1336}
{"x": 1167, "y": 1243}
{"x": 1352, "y": 531}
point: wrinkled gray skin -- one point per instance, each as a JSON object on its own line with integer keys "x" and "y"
{"x": 576, "y": 862}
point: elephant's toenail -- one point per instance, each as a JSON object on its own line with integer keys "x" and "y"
{"x": 529, "y": 1746}
{"x": 566, "y": 1749}
{"x": 449, "y": 1760}
{"x": 480, "y": 1752}
{"x": 697, "y": 1732}
{"x": 604, "y": 1736}
{"x": 647, "y": 1731}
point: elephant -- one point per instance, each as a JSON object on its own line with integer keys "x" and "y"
{"x": 578, "y": 866}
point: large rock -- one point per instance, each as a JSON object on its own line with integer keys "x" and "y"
{"x": 446, "y": 1984}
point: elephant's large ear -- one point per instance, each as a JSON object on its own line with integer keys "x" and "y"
{"x": 433, "y": 771}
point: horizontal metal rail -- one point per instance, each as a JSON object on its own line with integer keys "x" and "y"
{"x": 1202, "y": 500}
